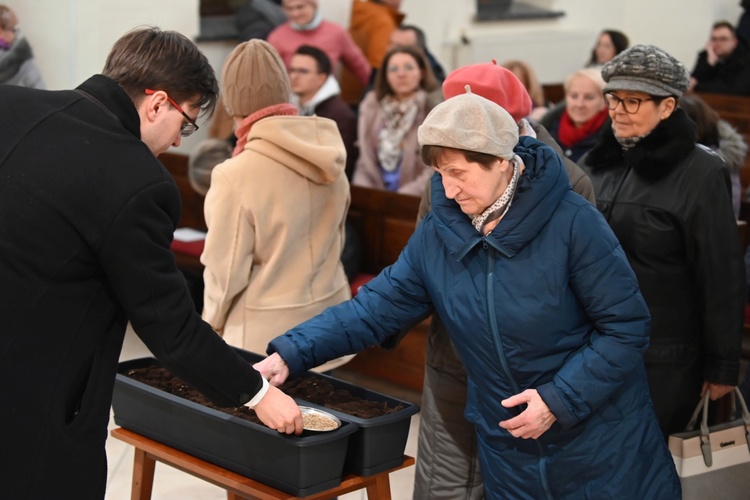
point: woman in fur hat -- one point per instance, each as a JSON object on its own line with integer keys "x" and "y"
{"x": 542, "y": 307}
{"x": 669, "y": 202}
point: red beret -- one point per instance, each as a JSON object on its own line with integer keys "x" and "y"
{"x": 492, "y": 82}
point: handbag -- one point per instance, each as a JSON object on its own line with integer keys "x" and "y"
{"x": 714, "y": 462}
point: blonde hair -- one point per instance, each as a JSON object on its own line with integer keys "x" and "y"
{"x": 528, "y": 78}
{"x": 593, "y": 74}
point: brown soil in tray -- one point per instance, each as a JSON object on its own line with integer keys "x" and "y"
{"x": 310, "y": 388}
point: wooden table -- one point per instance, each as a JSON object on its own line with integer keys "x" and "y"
{"x": 147, "y": 452}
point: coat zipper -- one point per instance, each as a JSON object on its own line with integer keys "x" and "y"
{"x": 501, "y": 356}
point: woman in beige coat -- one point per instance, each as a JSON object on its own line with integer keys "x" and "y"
{"x": 275, "y": 211}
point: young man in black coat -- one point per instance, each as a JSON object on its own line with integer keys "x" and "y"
{"x": 87, "y": 214}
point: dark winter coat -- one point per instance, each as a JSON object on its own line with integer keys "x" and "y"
{"x": 448, "y": 466}
{"x": 668, "y": 201}
{"x": 730, "y": 76}
{"x": 87, "y": 214}
{"x": 545, "y": 301}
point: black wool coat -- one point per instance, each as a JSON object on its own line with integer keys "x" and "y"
{"x": 87, "y": 214}
{"x": 668, "y": 201}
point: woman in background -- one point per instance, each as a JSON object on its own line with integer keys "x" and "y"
{"x": 668, "y": 202}
{"x": 577, "y": 123}
{"x": 405, "y": 92}
{"x": 525, "y": 73}
{"x": 306, "y": 26}
{"x": 608, "y": 45}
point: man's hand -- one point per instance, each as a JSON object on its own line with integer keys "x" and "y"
{"x": 274, "y": 369}
{"x": 711, "y": 56}
{"x": 717, "y": 390}
{"x": 534, "y": 421}
{"x": 279, "y": 412}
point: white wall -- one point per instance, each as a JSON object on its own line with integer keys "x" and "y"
{"x": 71, "y": 38}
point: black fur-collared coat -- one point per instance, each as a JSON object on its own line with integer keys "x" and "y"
{"x": 668, "y": 201}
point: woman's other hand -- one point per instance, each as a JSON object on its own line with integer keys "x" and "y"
{"x": 534, "y": 421}
{"x": 717, "y": 390}
{"x": 274, "y": 369}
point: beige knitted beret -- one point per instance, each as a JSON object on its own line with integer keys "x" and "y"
{"x": 470, "y": 122}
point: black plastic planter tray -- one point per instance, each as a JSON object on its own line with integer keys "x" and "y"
{"x": 379, "y": 442}
{"x": 299, "y": 465}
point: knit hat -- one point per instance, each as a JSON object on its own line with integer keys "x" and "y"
{"x": 492, "y": 82}
{"x": 646, "y": 68}
{"x": 254, "y": 77}
{"x": 470, "y": 122}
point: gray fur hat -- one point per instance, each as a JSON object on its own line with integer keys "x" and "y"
{"x": 470, "y": 122}
{"x": 646, "y": 68}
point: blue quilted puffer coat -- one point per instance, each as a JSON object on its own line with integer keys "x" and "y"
{"x": 546, "y": 301}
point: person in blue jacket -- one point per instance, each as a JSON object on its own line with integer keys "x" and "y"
{"x": 541, "y": 304}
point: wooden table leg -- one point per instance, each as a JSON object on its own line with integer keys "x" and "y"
{"x": 143, "y": 476}
{"x": 234, "y": 496}
{"x": 380, "y": 488}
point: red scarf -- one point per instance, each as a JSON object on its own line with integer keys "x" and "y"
{"x": 571, "y": 135}
{"x": 243, "y": 130}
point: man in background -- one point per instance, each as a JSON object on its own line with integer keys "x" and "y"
{"x": 17, "y": 66}
{"x": 408, "y": 34}
{"x": 87, "y": 214}
{"x": 316, "y": 92}
{"x": 724, "y": 66}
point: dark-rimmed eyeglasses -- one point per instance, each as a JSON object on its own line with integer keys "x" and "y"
{"x": 630, "y": 105}
{"x": 187, "y": 128}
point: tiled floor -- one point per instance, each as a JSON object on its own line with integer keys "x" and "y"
{"x": 172, "y": 484}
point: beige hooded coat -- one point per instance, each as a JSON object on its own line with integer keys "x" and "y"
{"x": 275, "y": 215}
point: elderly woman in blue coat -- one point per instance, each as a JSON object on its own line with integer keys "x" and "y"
{"x": 541, "y": 304}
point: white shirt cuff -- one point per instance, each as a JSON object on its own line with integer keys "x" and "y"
{"x": 259, "y": 395}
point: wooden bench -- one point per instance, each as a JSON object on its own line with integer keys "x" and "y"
{"x": 553, "y": 92}
{"x": 384, "y": 221}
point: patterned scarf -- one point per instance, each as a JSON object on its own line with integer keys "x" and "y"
{"x": 501, "y": 206}
{"x": 243, "y": 130}
{"x": 398, "y": 119}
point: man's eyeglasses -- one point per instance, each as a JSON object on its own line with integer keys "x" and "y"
{"x": 631, "y": 105}
{"x": 187, "y": 128}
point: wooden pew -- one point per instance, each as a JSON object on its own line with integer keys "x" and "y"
{"x": 735, "y": 110}
{"x": 385, "y": 221}
{"x": 553, "y": 92}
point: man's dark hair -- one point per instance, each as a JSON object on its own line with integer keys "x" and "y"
{"x": 724, "y": 24}
{"x": 322, "y": 60}
{"x": 418, "y": 33}
{"x": 149, "y": 58}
